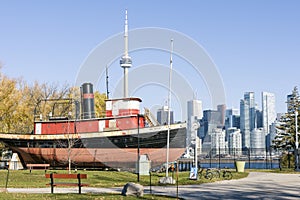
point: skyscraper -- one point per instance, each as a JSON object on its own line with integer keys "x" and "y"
{"x": 232, "y": 111}
{"x": 249, "y": 97}
{"x": 211, "y": 119}
{"x": 195, "y": 108}
{"x": 162, "y": 115}
{"x": 232, "y": 118}
{"x": 235, "y": 141}
{"x": 194, "y": 112}
{"x": 244, "y": 123}
{"x": 247, "y": 117}
{"x": 259, "y": 119}
{"x": 222, "y": 110}
{"x": 268, "y": 110}
{"x": 218, "y": 141}
{"x": 258, "y": 141}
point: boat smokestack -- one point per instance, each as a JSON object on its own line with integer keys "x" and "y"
{"x": 87, "y": 103}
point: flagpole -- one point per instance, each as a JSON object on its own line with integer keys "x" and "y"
{"x": 169, "y": 113}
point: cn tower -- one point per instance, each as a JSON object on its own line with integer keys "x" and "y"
{"x": 125, "y": 61}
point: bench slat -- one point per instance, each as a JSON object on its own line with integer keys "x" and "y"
{"x": 38, "y": 165}
{"x": 67, "y": 176}
{"x": 68, "y": 184}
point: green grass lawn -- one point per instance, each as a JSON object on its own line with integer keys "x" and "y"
{"x": 36, "y": 179}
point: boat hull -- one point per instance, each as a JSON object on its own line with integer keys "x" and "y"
{"x": 97, "y": 157}
{"x": 115, "y": 149}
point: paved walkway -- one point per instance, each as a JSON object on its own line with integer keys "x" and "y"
{"x": 266, "y": 186}
{"x": 257, "y": 185}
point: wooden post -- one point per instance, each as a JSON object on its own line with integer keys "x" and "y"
{"x": 7, "y": 176}
{"x": 79, "y": 183}
{"x": 52, "y": 182}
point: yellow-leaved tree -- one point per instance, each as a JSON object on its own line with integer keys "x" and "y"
{"x": 10, "y": 98}
{"x": 100, "y": 103}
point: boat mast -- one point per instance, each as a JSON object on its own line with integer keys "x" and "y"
{"x": 106, "y": 73}
{"x": 169, "y": 104}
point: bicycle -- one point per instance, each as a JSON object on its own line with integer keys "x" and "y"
{"x": 217, "y": 173}
{"x": 226, "y": 174}
{"x": 204, "y": 172}
{"x": 211, "y": 173}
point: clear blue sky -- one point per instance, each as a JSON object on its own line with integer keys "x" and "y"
{"x": 255, "y": 44}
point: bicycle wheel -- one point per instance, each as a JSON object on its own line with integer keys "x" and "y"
{"x": 217, "y": 174}
{"x": 200, "y": 173}
{"x": 227, "y": 175}
{"x": 209, "y": 175}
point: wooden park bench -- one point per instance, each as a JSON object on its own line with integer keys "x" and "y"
{"x": 38, "y": 166}
{"x": 54, "y": 183}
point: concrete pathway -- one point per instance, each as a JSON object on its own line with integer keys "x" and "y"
{"x": 258, "y": 185}
{"x": 266, "y": 186}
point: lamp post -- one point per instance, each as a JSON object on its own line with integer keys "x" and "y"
{"x": 219, "y": 153}
{"x": 138, "y": 150}
{"x": 296, "y": 143}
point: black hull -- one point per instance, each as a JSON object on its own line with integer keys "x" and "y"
{"x": 150, "y": 140}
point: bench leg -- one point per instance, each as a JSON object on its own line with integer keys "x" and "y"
{"x": 79, "y": 183}
{"x": 52, "y": 189}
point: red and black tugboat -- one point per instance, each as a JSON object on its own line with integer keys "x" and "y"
{"x": 110, "y": 141}
{"x": 98, "y": 142}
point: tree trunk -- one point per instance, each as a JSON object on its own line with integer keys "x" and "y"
{"x": 69, "y": 165}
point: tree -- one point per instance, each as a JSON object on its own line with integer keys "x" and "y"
{"x": 100, "y": 103}
{"x": 54, "y": 101}
{"x": 286, "y": 135}
{"x": 10, "y": 99}
{"x": 21, "y": 104}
